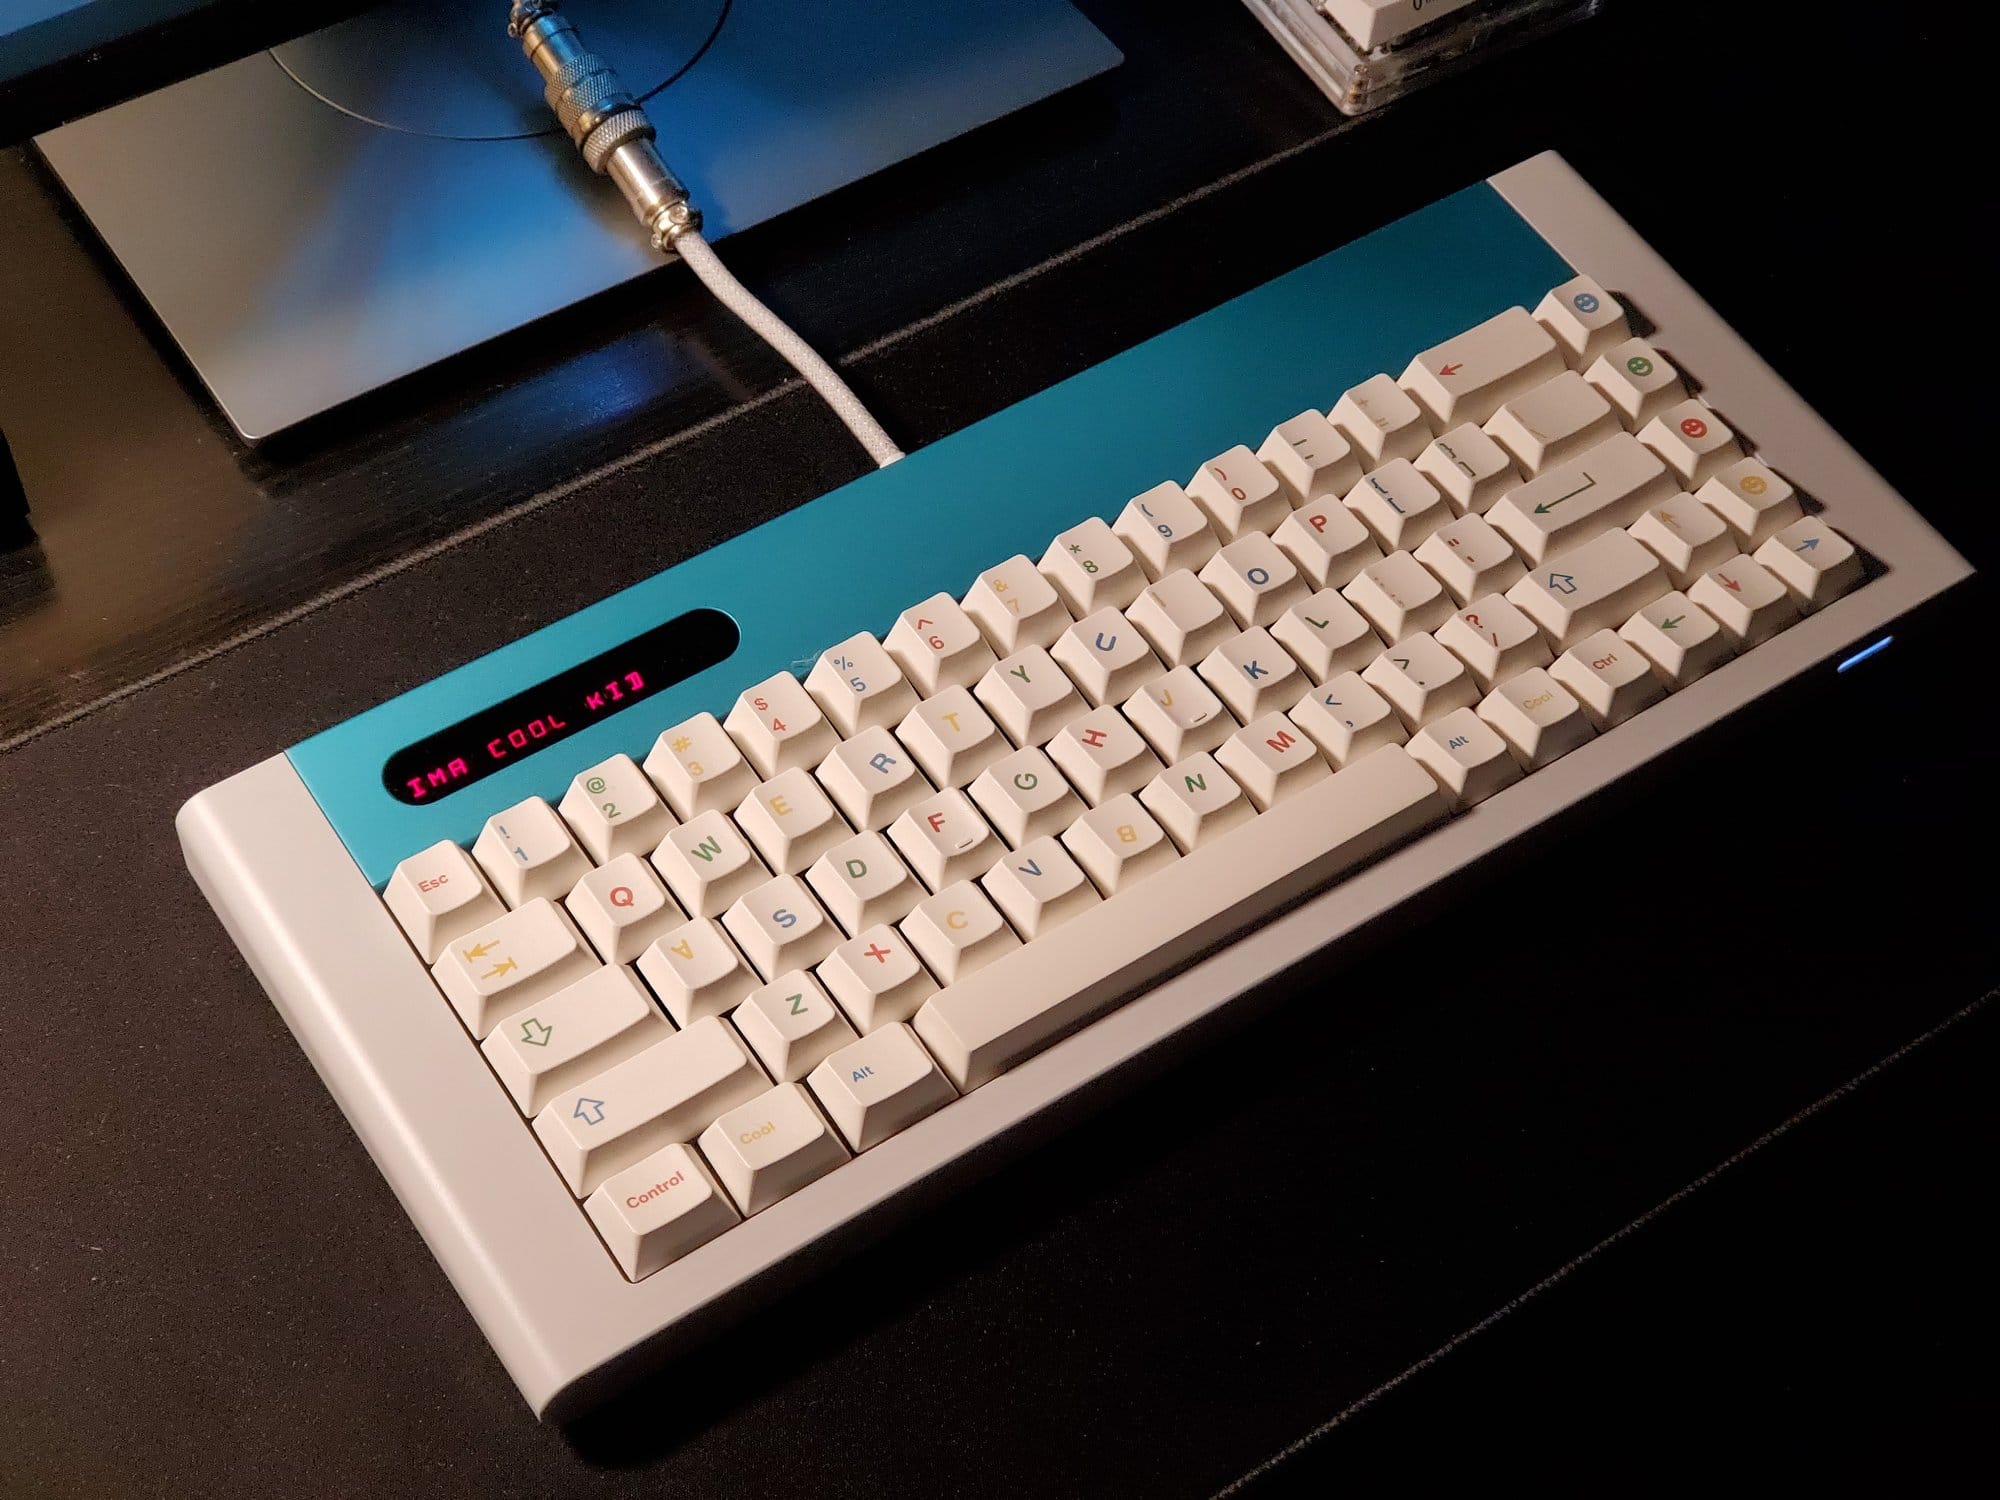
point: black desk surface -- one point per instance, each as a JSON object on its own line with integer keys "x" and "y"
{"x": 1417, "y": 1149}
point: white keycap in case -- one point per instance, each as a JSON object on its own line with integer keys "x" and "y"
{"x": 1537, "y": 717}
{"x": 958, "y": 932}
{"x": 779, "y": 926}
{"x": 1252, "y": 674}
{"x": 1102, "y": 755}
{"x": 1326, "y": 636}
{"x": 864, "y": 882}
{"x": 1092, "y": 569}
{"x": 527, "y": 853}
{"x": 1470, "y": 761}
{"x": 515, "y": 961}
{"x": 1470, "y": 558}
{"x": 1421, "y": 679}
{"x": 791, "y": 821}
{"x": 1399, "y": 505}
{"x": 1178, "y": 715}
{"x": 791, "y": 1024}
{"x": 1609, "y": 676}
{"x": 858, "y": 686}
{"x": 1038, "y": 887}
{"x": 876, "y": 978}
{"x": 938, "y": 647}
{"x": 1272, "y": 758}
{"x": 872, "y": 778}
{"x": 1016, "y": 606}
{"x": 1376, "y": 23}
{"x": 1589, "y": 587}
{"x": 1381, "y": 422}
{"x": 952, "y": 737}
{"x": 1346, "y": 719}
{"x": 708, "y": 864}
{"x": 1465, "y": 378}
{"x": 944, "y": 839}
{"x": 1195, "y": 800}
{"x": 1025, "y": 797}
{"x": 777, "y": 725}
{"x": 1469, "y": 468}
{"x": 1494, "y": 639}
{"x": 1754, "y": 503}
{"x": 1328, "y": 542}
{"x": 1813, "y": 560}
{"x": 1314, "y": 463}
{"x": 613, "y": 809}
{"x": 1612, "y": 485}
{"x": 658, "y": 1210}
{"x": 884, "y": 1083}
{"x": 662, "y": 1096}
{"x": 438, "y": 896}
{"x": 622, "y": 907}
{"x": 1686, "y": 536}
{"x": 1238, "y": 494}
{"x": 1181, "y": 619}
{"x": 1584, "y": 319}
{"x": 1748, "y": 603}
{"x": 1638, "y": 381}
{"x": 696, "y": 971}
{"x": 698, "y": 768}
{"x": 1553, "y": 423}
{"x": 1692, "y": 441}
{"x": 1166, "y": 530}
{"x": 770, "y": 1148}
{"x": 1399, "y": 596}
{"x": 1680, "y": 640}
{"x": 577, "y": 1033}
{"x": 1107, "y": 657}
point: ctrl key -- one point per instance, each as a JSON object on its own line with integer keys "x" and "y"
{"x": 656, "y": 1211}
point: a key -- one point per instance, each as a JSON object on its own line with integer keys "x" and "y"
{"x": 1686, "y": 536}
{"x": 1538, "y": 718}
{"x": 1812, "y": 560}
{"x": 771, "y": 1147}
{"x": 662, "y": 1096}
{"x": 1195, "y": 800}
{"x": 1346, "y": 719}
{"x": 864, "y": 882}
{"x": 527, "y": 853}
{"x": 1399, "y": 506}
{"x": 661, "y": 1208}
{"x": 438, "y": 896}
{"x": 1754, "y": 503}
{"x": 1470, "y": 558}
{"x": 1589, "y": 587}
{"x": 1421, "y": 679}
{"x": 1016, "y": 606}
{"x": 621, "y": 907}
{"x": 1255, "y": 581}
{"x": 698, "y": 768}
{"x": 780, "y": 926}
{"x": 1118, "y": 844}
{"x": 1091, "y": 569}
{"x": 1039, "y": 886}
{"x": 580, "y": 1030}
{"x": 952, "y": 737}
{"x": 1681, "y": 641}
{"x": 1470, "y": 761}
{"x": 882, "y": 1084}
{"x": 1584, "y": 319}
{"x": 1610, "y": 486}
{"x": 1025, "y": 797}
{"x": 938, "y": 647}
{"x": 613, "y": 809}
{"x": 778, "y": 726}
{"x": 1107, "y": 657}
{"x": 1029, "y": 696}
{"x": 1494, "y": 640}
{"x": 1271, "y": 758}
{"x": 503, "y": 967}
{"x": 1328, "y": 542}
{"x": 876, "y": 978}
{"x": 1468, "y": 376}
{"x": 958, "y": 932}
{"x": 1181, "y": 619}
{"x": 1252, "y": 674}
{"x": 1326, "y": 636}
{"x": 872, "y": 778}
{"x": 1101, "y": 755}
{"x": 791, "y": 821}
{"x": 1314, "y": 463}
{"x": 1166, "y": 530}
{"x": 1238, "y": 494}
{"x": 1553, "y": 423}
{"x": 791, "y": 1025}
{"x": 1179, "y": 715}
{"x": 858, "y": 686}
{"x": 1469, "y": 468}
{"x": 943, "y": 839}
{"x": 707, "y": 864}
{"x": 1748, "y": 603}
{"x": 1609, "y": 676}
{"x": 1692, "y": 441}
{"x": 1637, "y": 380}
{"x": 696, "y": 971}
{"x": 1380, "y": 421}
{"x": 1399, "y": 596}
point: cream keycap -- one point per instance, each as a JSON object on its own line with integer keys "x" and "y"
{"x": 1680, "y": 641}
{"x": 858, "y": 686}
{"x": 1610, "y": 486}
{"x": 503, "y": 967}
{"x": 1747, "y": 601}
{"x": 876, "y": 978}
{"x": 1255, "y": 581}
{"x": 778, "y": 726}
{"x": 1470, "y": 558}
{"x": 1328, "y": 542}
{"x": 1272, "y": 758}
{"x": 1102, "y": 755}
{"x": 1326, "y": 636}
{"x": 613, "y": 809}
{"x": 1538, "y": 718}
{"x": 1494, "y": 640}
{"x": 528, "y": 854}
{"x": 1584, "y": 319}
{"x": 1637, "y": 380}
{"x": 1812, "y": 560}
{"x": 1166, "y": 530}
{"x": 1238, "y": 494}
{"x": 1252, "y": 674}
{"x": 863, "y": 882}
{"x": 438, "y": 896}
{"x": 1314, "y": 463}
{"x": 1025, "y": 797}
{"x": 1118, "y": 844}
{"x": 1686, "y": 536}
{"x": 1194, "y": 800}
{"x": 770, "y": 1148}
{"x": 1421, "y": 679}
{"x": 1469, "y": 759}
{"x": 944, "y": 839}
{"x": 1692, "y": 441}
{"x": 1553, "y": 423}
{"x": 958, "y": 932}
{"x": 952, "y": 737}
{"x": 1469, "y": 468}
{"x": 1380, "y": 421}
{"x": 872, "y": 778}
{"x": 1346, "y": 719}
{"x": 938, "y": 647}
{"x": 1754, "y": 503}
{"x": 1399, "y": 506}
{"x": 576, "y": 1033}
{"x": 1609, "y": 676}
{"x": 1399, "y": 596}
{"x": 664, "y": 1095}
{"x": 1178, "y": 715}
{"x": 708, "y": 864}
{"x": 779, "y": 926}
{"x": 1030, "y": 697}
{"x": 622, "y": 907}
{"x": 1016, "y": 606}
{"x": 1038, "y": 887}
{"x": 884, "y": 1083}
{"x": 791, "y": 1024}
{"x": 1181, "y": 619}
{"x": 1589, "y": 587}
{"x": 696, "y": 972}
{"x": 698, "y": 768}
{"x": 1107, "y": 657}
{"x": 791, "y": 821}
{"x": 1465, "y": 378}
{"x": 1092, "y": 569}
{"x": 658, "y": 1210}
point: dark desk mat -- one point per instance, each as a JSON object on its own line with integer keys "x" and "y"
{"x": 210, "y": 1289}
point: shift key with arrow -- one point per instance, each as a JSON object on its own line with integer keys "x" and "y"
{"x": 510, "y": 965}
{"x": 579, "y": 1032}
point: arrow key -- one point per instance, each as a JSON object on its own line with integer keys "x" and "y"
{"x": 1686, "y": 536}
{"x": 579, "y": 1031}
{"x": 1748, "y": 603}
{"x": 1813, "y": 560}
{"x": 1681, "y": 641}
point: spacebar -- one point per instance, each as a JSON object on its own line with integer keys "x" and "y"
{"x": 1018, "y": 1004}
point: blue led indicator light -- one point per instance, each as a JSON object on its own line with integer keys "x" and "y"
{"x": 1864, "y": 653}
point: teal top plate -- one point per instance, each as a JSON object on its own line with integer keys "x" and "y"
{"x": 853, "y": 558}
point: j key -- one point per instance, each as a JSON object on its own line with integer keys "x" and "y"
{"x": 1092, "y": 569}
{"x": 696, "y": 971}
{"x": 872, "y": 778}
{"x": 578, "y": 1032}
{"x": 938, "y": 647}
{"x": 1609, "y": 676}
{"x": 1179, "y": 715}
{"x": 1346, "y": 719}
{"x": 1465, "y": 378}
{"x": 1680, "y": 640}
{"x": 613, "y": 809}
{"x": 1612, "y": 485}
{"x": 1016, "y": 606}
{"x": 1470, "y": 761}
{"x": 864, "y": 882}
{"x": 698, "y": 768}
{"x": 1398, "y": 505}
{"x": 1637, "y": 380}
{"x": 707, "y": 864}
{"x": 1238, "y": 494}
{"x": 656, "y": 1211}
{"x": 780, "y": 926}
{"x": 876, "y": 978}
{"x": 858, "y": 686}
{"x": 502, "y": 968}
{"x": 621, "y": 907}
{"x": 1025, "y": 797}
{"x": 1166, "y": 530}
{"x": 1252, "y": 674}
{"x": 1328, "y": 542}
{"x": 1692, "y": 441}
{"x": 1195, "y": 800}
{"x": 1747, "y": 601}
{"x": 1584, "y": 319}
{"x": 1118, "y": 844}
{"x": 943, "y": 839}
{"x": 770, "y": 1148}
{"x": 1101, "y": 755}
{"x": 1754, "y": 503}
{"x": 1326, "y": 636}
{"x": 1421, "y": 679}
{"x": 1381, "y": 422}
{"x": 1494, "y": 639}
{"x": 1255, "y": 581}
{"x": 1597, "y": 584}
{"x": 791, "y": 1025}
{"x": 1537, "y": 717}
{"x": 527, "y": 852}
{"x": 952, "y": 737}
{"x": 1271, "y": 758}
{"x": 1553, "y": 422}
{"x": 1107, "y": 658}
{"x": 1181, "y": 619}
{"x": 791, "y": 821}
{"x": 1470, "y": 558}
{"x": 1812, "y": 560}
{"x": 884, "y": 1083}
{"x": 1399, "y": 596}
{"x": 779, "y": 726}
{"x": 1314, "y": 463}
{"x": 438, "y": 896}
{"x": 1469, "y": 468}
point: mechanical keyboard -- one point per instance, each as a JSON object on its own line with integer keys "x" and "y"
{"x": 682, "y": 941}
